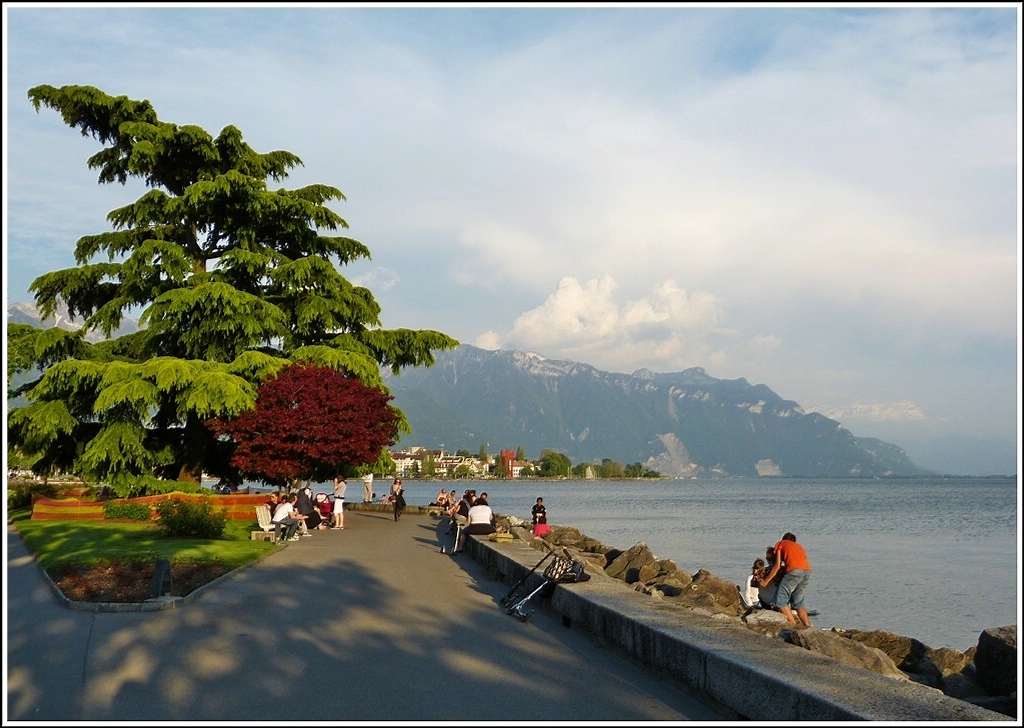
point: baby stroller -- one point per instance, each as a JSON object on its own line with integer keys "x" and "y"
{"x": 513, "y": 594}
{"x": 563, "y": 570}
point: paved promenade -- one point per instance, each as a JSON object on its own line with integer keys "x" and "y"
{"x": 367, "y": 624}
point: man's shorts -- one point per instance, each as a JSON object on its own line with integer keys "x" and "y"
{"x": 792, "y": 588}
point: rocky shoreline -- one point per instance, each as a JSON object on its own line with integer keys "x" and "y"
{"x": 985, "y": 675}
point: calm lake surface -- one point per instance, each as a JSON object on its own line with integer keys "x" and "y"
{"x": 937, "y": 559}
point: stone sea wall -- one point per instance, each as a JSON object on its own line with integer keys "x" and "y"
{"x": 985, "y": 675}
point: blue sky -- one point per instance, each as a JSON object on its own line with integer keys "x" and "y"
{"x": 824, "y": 200}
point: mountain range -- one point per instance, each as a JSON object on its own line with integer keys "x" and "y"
{"x": 682, "y": 424}
{"x": 27, "y": 313}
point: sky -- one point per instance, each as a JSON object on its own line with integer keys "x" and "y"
{"x": 821, "y": 199}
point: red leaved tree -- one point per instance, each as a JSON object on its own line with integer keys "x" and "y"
{"x": 310, "y": 422}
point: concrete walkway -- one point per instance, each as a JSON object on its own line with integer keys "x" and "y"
{"x": 371, "y": 623}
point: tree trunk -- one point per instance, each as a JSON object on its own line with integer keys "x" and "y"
{"x": 191, "y": 470}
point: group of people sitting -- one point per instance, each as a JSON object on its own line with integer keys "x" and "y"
{"x": 296, "y": 514}
{"x": 470, "y": 514}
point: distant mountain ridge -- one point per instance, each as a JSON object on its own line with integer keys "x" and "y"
{"x": 27, "y": 313}
{"x": 682, "y": 424}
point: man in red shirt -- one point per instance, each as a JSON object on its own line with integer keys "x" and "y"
{"x": 796, "y": 577}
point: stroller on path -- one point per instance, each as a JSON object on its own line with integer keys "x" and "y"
{"x": 563, "y": 570}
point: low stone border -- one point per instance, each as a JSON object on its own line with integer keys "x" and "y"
{"x": 150, "y": 605}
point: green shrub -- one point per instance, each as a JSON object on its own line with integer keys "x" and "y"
{"x": 134, "y": 511}
{"x": 170, "y": 486}
{"x": 144, "y": 485}
{"x": 177, "y": 517}
{"x": 21, "y": 490}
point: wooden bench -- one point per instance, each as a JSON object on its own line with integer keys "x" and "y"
{"x": 267, "y": 526}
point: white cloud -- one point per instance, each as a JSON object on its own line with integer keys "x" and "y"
{"x": 668, "y": 327}
{"x": 490, "y": 340}
{"x": 377, "y": 279}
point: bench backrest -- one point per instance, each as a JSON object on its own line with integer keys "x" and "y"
{"x": 263, "y": 517}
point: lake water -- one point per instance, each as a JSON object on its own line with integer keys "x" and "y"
{"x": 937, "y": 559}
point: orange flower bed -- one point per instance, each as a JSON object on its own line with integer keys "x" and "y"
{"x": 238, "y": 506}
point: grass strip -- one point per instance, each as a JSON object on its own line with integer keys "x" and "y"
{"x": 56, "y": 544}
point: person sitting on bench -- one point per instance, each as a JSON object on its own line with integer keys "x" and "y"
{"x": 286, "y": 520}
{"x": 459, "y": 512}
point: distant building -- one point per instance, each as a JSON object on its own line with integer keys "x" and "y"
{"x": 412, "y": 462}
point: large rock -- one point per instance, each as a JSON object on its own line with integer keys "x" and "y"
{"x": 766, "y": 621}
{"x": 945, "y": 660}
{"x": 996, "y": 660}
{"x": 723, "y": 592}
{"x": 844, "y": 650}
{"x": 627, "y": 566}
{"x": 906, "y": 652}
{"x": 669, "y": 586}
{"x": 671, "y": 583}
{"x": 962, "y": 686}
{"x": 566, "y": 536}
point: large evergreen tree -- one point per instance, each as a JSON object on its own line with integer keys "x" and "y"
{"x": 233, "y": 280}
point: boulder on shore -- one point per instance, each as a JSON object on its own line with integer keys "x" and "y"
{"x": 996, "y": 660}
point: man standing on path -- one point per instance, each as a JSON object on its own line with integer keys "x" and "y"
{"x": 794, "y": 581}
{"x": 368, "y": 488}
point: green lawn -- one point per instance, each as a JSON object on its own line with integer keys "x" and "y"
{"x": 56, "y": 543}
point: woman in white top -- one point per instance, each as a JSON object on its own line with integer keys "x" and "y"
{"x": 749, "y": 592}
{"x": 479, "y": 520}
{"x": 338, "y": 514}
{"x": 481, "y": 517}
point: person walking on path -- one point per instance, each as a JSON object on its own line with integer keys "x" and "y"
{"x": 796, "y": 577}
{"x": 338, "y": 514}
{"x": 397, "y": 492}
